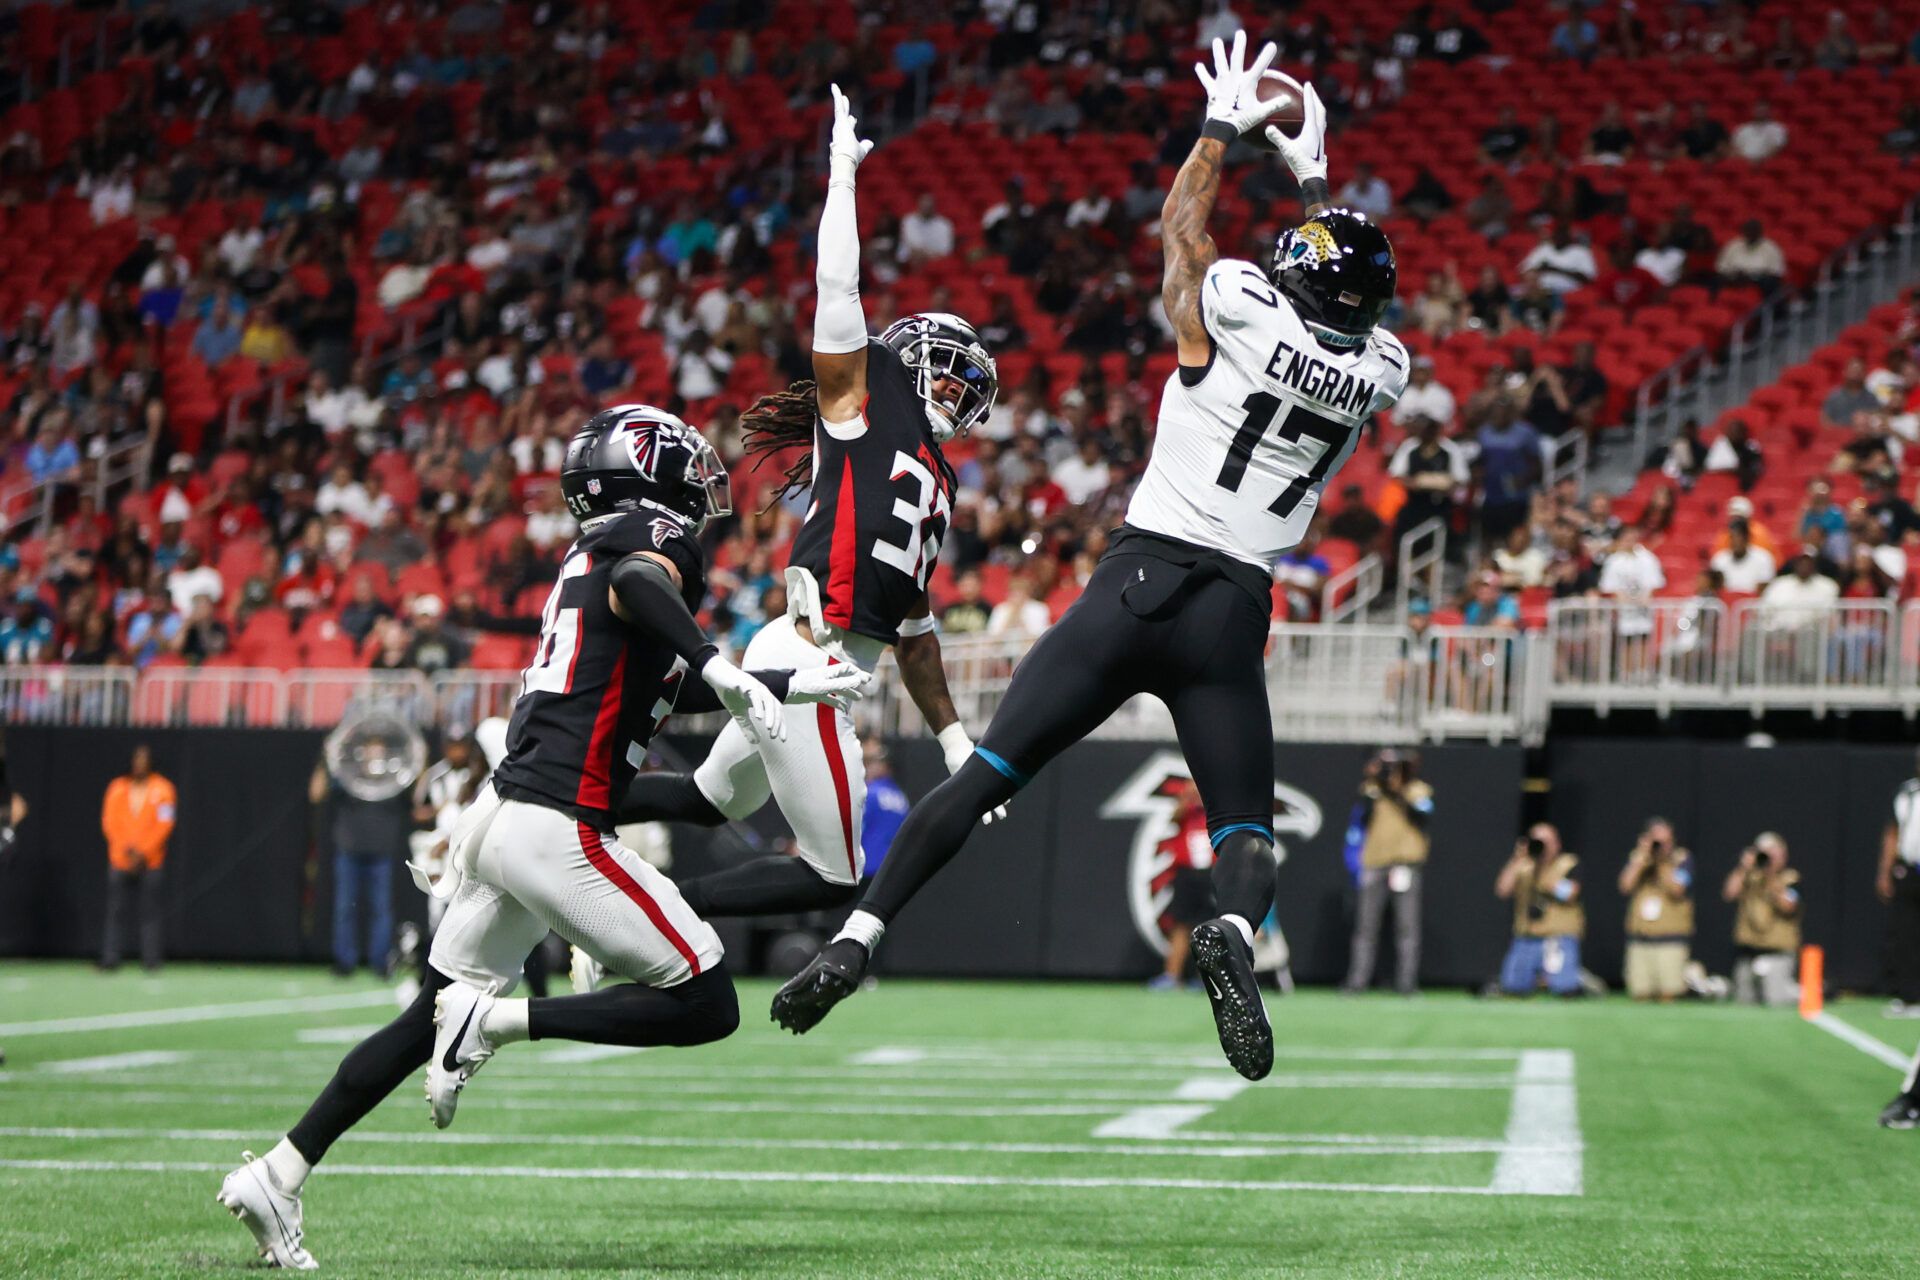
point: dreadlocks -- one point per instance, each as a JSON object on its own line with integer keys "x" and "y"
{"x": 783, "y": 420}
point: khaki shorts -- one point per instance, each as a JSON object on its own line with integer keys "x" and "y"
{"x": 1656, "y": 968}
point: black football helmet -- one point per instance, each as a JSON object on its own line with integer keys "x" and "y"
{"x": 634, "y": 457}
{"x": 935, "y": 345}
{"x": 1337, "y": 268}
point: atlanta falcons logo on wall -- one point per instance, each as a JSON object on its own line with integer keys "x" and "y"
{"x": 1150, "y": 797}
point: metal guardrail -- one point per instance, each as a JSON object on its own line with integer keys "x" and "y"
{"x": 128, "y": 462}
{"x": 1347, "y": 595}
{"x": 1423, "y": 561}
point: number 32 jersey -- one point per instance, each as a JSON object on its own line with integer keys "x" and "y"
{"x": 1243, "y": 449}
{"x": 882, "y": 497}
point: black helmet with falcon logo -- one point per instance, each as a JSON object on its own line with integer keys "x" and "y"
{"x": 1337, "y": 268}
{"x": 634, "y": 457}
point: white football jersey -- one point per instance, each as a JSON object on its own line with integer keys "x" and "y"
{"x": 1240, "y": 455}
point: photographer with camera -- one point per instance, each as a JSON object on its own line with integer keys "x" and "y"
{"x": 1396, "y": 808}
{"x": 1766, "y": 927}
{"x": 1657, "y": 883}
{"x": 1548, "y": 918}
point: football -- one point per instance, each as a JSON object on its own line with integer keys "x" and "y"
{"x": 1285, "y": 93}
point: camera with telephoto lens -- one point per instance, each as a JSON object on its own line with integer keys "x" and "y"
{"x": 1762, "y": 860}
{"x": 1536, "y": 848}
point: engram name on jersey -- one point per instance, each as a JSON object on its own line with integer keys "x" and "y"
{"x": 1245, "y": 446}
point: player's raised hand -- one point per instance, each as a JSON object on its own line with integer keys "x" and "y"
{"x": 749, "y": 701}
{"x": 839, "y": 686}
{"x": 1306, "y": 155}
{"x": 846, "y": 148}
{"x": 1232, "y": 97}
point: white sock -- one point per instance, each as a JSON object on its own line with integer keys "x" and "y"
{"x": 506, "y": 1022}
{"x": 287, "y": 1167}
{"x": 864, "y": 928}
{"x": 1240, "y": 923}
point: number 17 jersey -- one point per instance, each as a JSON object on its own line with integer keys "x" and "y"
{"x": 1245, "y": 445}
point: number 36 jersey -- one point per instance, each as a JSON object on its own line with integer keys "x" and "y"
{"x": 1245, "y": 445}
{"x": 882, "y": 496}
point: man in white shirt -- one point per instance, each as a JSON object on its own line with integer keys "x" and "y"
{"x": 1744, "y": 567}
{"x": 1760, "y": 137}
{"x": 1425, "y": 397}
{"x": 1798, "y": 598}
{"x": 1751, "y": 258}
{"x": 342, "y": 493}
{"x": 1367, "y": 193}
{"x": 1084, "y": 474}
{"x": 1630, "y": 575}
{"x": 924, "y": 233}
{"x": 1019, "y": 615}
{"x": 239, "y": 247}
{"x": 191, "y": 579}
{"x": 1563, "y": 263}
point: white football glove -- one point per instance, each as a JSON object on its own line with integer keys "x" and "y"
{"x": 1232, "y": 86}
{"x": 749, "y": 701}
{"x": 1306, "y": 155}
{"x": 957, "y": 747}
{"x": 846, "y": 149}
{"x": 839, "y": 686}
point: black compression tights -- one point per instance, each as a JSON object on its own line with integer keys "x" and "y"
{"x": 1243, "y": 876}
{"x": 699, "y": 1010}
{"x": 934, "y": 832}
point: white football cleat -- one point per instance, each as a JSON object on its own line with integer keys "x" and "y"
{"x": 270, "y": 1213}
{"x": 460, "y": 1048}
{"x": 584, "y": 971}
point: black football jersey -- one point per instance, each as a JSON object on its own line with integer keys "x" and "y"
{"x": 597, "y": 688}
{"x": 881, "y": 502}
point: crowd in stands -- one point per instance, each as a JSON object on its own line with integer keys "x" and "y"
{"x": 365, "y": 283}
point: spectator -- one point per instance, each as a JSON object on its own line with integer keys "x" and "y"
{"x": 1426, "y": 398}
{"x": 1367, "y": 192}
{"x": 1562, "y": 263}
{"x": 217, "y": 340}
{"x": 1535, "y": 307}
{"x": 1505, "y": 139}
{"x": 1898, "y": 884}
{"x": 136, "y": 817}
{"x": 1394, "y": 814}
{"x": 1540, "y": 879}
{"x": 1491, "y": 605}
{"x": 1751, "y": 258}
{"x": 202, "y": 633}
{"x": 1735, "y": 451}
{"x": 1190, "y": 855}
{"x": 1521, "y": 562}
{"x": 1837, "y": 49}
{"x": 1703, "y": 138}
{"x": 1355, "y": 521}
{"x": 26, "y": 636}
{"x": 1744, "y": 567}
{"x": 886, "y": 806}
{"x": 1760, "y": 138}
{"x": 1822, "y": 523}
{"x": 1576, "y": 37}
{"x": 363, "y": 609}
{"x": 1886, "y": 509}
{"x": 1085, "y": 474}
{"x": 1300, "y": 573}
{"x": 1490, "y": 212}
{"x": 1434, "y": 471}
{"x": 700, "y": 371}
{"x": 368, "y": 837}
{"x": 1657, "y": 883}
{"x": 1903, "y": 139}
{"x": 1611, "y": 139}
{"x": 432, "y": 649}
{"x": 1847, "y": 403}
{"x": 1019, "y": 616}
{"x": 967, "y": 614}
{"x": 1800, "y": 596}
{"x": 1510, "y": 469}
{"x": 1584, "y": 388}
{"x": 603, "y": 371}
{"x": 1629, "y": 283}
{"x": 925, "y": 233}
{"x": 1629, "y": 576}
{"x": 191, "y": 579}
{"x": 1766, "y": 930}
{"x": 53, "y": 455}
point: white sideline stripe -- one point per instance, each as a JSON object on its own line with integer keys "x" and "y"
{"x": 116, "y": 1061}
{"x": 272, "y": 1095}
{"x": 1232, "y": 1148}
{"x": 198, "y": 1013}
{"x": 764, "y": 1175}
{"x": 1862, "y": 1041}
{"x": 1124, "y": 1055}
{"x": 589, "y": 1052}
{"x": 1543, "y": 1155}
{"x": 887, "y": 1056}
{"x": 525, "y": 1085}
{"x": 1152, "y": 1122}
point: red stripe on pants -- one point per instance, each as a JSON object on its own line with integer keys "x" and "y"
{"x": 592, "y": 843}
{"x": 837, "y": 766}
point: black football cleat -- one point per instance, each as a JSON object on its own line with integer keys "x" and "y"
{"x": 1225, "y": 962}
{"x": 829, "y": 978}
{"x": 1902, "y": 1113}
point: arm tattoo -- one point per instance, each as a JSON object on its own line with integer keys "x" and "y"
{"x": 1183, "y": 236}
{"x": 1314, "y": 194}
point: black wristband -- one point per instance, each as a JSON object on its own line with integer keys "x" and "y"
{"x": 1220, "y": 131}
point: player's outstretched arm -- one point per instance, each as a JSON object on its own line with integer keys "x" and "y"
{"x": 839, "y": 323}
{"x": 925, "y": 676}
{"x": 1233, "y": 107}
{"x": 645, "y": 593}
{"x": 1306, "y": 155}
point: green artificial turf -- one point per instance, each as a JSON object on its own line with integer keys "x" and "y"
{"x": 947, "y": 1129}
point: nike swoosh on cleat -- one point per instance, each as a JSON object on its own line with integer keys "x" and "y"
{"x": 446, "y": 1059}
{"x": 1211, "y": 989}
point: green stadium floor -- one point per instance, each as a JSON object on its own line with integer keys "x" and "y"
{"x": 989, "y": 1130}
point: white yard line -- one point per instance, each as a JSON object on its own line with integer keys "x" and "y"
{"x": 1126, "y": 1055}
{"x": 1160, "y": 1121}
{"x": 136, "y": 1061}
{"x": 1229, "y": 1147}
{"x": 1543, "y": 1155}
{"x": 575, "y": 1053}
{"x": 1872, "y": 1047}
{"x": 198, "y": 1013}
{"x": 836, "y": 1179}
